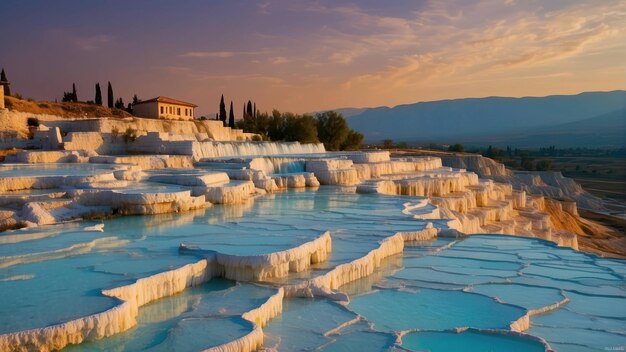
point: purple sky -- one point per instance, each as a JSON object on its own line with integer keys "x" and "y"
{"x": 314, "y": 55}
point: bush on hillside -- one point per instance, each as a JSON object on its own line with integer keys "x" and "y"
{"x": 32, "y": 122}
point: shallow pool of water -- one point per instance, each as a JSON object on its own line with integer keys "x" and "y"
{"x": 53, "y": 274}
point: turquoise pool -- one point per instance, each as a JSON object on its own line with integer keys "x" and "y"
{"x": 439, "y": 295}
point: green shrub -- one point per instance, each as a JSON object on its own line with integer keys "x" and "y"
{"x": 543, "y": 165}
{"x": 528, "y": 164}
{"x": 456, "y": 148}
{"x": 32, "y": 122}
{"x": 130, "y": 135}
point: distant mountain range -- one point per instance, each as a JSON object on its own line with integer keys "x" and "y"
{"x": 592, "y": 119}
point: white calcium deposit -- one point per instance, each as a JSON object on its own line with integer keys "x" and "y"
{"x": 124, "y": 316}
{"x": 468, "y": 195}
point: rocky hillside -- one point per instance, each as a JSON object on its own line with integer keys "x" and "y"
{"x": 71, "y": 110}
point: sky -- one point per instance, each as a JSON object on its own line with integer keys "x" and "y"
{"x": 304, "y": 56}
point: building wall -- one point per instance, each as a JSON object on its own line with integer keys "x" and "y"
{"x": 146, "y": 110}
{"x": 174, "y": 112}
{"x": 170, "y": 111}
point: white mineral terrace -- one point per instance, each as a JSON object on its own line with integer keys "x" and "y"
{"x": 377, "y": 253}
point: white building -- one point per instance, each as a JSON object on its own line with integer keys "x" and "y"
{"x": 164, "y": 108}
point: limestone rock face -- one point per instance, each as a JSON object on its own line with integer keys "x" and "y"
{"x": 165, "y": 143}
{"x": 234, "y": 192}
{"x": 146, "y": 161}
{"x": 140, "y": 202}
{"x": 54, "y": 138}
{"x": 333, "y": 171}
{"x": 37, "y": 214}
{"x": 295, "y": 180}
{"x": 483, "y": 167}
{"x": 16, "y": 183}
{"x": 95, "y": 142}
{"x": 201, "y": 150}
{"x": 548, "y": 183}
{"x": 377, "y": 156}
{"x": 190, "y": 179}
{"x": 36, "y": 157}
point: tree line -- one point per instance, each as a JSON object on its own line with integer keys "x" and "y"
{"x": 72, "y": 97}
{"x": 249, "y": 109}
{"x": 329, "y": 128}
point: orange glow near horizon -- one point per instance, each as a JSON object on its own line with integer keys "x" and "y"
{"x": 311, "y": 56}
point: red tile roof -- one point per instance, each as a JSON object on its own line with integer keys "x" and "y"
{"x": 162, "y": 99}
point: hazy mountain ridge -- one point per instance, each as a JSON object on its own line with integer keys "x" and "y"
{"x": 448, "y": 121}
{"x": 607, "y": 130}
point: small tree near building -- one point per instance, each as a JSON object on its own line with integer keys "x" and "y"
{"x": 231, "y": 116}
{"x": 98, "y": 99}
{"x": 119, "y": 104}
{"x": 223, "y": 110}
{"x": 249, "y": 109}
{"x": 110, "y": 98}
{"x": 74, "y": 94}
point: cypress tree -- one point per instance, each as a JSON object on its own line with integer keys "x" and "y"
{"x": 254, "y": 112}
{"x": 249, "y": 109}
{"x": 231, "y": 116}
{"x": 74, "y": 95}
{"x": 110, "y": 99}
{"x": 223, "y": 110}
{"x": 119, "y": 103}
{"x": 98, "y": 99}
{"x": 3, "y": 78}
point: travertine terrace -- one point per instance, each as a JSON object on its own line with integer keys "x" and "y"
{"x": 81, "y": 177}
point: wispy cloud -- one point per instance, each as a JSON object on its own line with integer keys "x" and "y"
{"x": 468, "y": 46}
{"x": 241, "y": 78}
{"x": 174, "y": 69}
{"x": 93, "y": 42}
{"x": 81, "y": 41}
{"x": 279, "y": 60}
{"x": 220, "y": 54}
{"x": 562, "y": 49}
{"x": 325, "y": 53}
{"x": 263, "y": 8}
